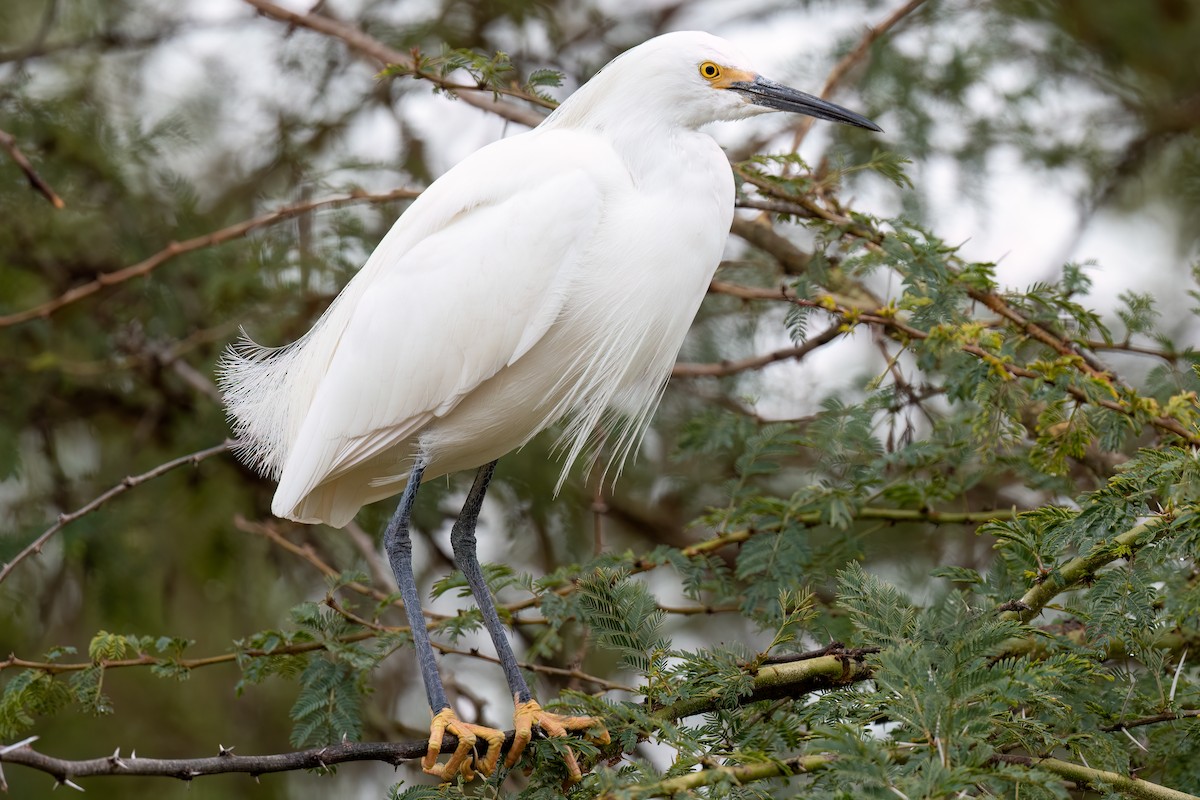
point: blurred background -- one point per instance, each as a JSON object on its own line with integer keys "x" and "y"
{"x": 1039, "y": 134}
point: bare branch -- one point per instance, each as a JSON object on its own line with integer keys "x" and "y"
{"x": 840, "y": 70}
{"x": 731, "y": 367}
{"x": 1170, "y": 716}
{"x": 9, "y": 143}
{"x": 125, "y": 485}
{"x": 361, "y": 42}
{"x": 174, "y": 249}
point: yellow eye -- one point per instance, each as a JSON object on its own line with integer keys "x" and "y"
{"x": 710, "y": 70}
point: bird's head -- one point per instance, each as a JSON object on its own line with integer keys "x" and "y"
{"x": 690, "y": 78}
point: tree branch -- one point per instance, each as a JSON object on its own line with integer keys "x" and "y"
{"x": 886, "y": 318}
{"x": 736, "y": 774}
{"x": 125, "y": 485}
{"x": 732, "y": 367}
{"x": 9, "y": 143}
{"x": 1170, "y": 716}
{"x": 840, "y": 70}
{"x": 794, "y": 679}
{"x": 358, "y": 40}
{"x": 174, "y": 249}
{"x": 1097, "y": 778}
{"x": 1080, "y": 569}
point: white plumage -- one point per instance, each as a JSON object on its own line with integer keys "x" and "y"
{"x": 551, "y": 274}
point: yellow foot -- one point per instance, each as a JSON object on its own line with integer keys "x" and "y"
{"x": 463, "y": 759}
{"x": 529, "y": 714}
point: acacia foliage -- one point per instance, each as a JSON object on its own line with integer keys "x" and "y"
{"x": 998, "y": 529}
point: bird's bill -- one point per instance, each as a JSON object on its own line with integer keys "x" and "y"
{"x": 768, "y": 93}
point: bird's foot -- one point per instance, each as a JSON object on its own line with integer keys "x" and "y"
{"x": 530, "y": 714}
{"x": 463, "y": 760}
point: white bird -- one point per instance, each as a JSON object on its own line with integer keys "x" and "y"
{"x": 549, "y": 276}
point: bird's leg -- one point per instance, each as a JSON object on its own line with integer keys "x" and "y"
{"x": 528, "y": 713}
{"x": 399, "y": 549}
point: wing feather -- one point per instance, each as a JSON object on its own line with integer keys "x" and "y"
{"x": 466, "y": 282}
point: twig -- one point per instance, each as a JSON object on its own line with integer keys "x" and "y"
{"x": 1170, "y": 716}
{"x": 560, "y": 672}
{"x": 174, "y": 249}
{"x": 358, "y": 40}
{"x": 144, "y": 660}
{"x": 9, "y": 143}
{"x": 844, "y": 65}
{"x": 125, "y": 485}
{"x": 731, "y": 367}
{"x": 380, "y": 573}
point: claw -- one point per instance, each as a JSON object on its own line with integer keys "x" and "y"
{"x": 530, "y": 713}
{"x": 460, "y": 762}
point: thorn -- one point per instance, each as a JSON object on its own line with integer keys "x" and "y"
{"x": 115, "y": 759}
{"x": 133, "y": 755}
{"x": 18, "y": 745}
{"x": 222, "y": 750}
{"x": 69, "y": 783}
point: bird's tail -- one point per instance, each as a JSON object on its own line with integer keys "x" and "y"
{"x": 256, "y": 385}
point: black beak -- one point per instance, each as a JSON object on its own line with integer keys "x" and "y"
{"x": 763, "y": 92}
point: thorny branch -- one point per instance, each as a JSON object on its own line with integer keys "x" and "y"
{"x": 174, "y": 249}
{"x": 828, "y": 668}
{"x": 794, "y": 679}
{"x": 644, "y": 565}
{"x": 125, "y": 485}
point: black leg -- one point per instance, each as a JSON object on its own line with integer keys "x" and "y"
{"x": 399, "y": 549}
{"x": 463, "y": 541}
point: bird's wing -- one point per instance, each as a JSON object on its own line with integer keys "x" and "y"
{"x": 466, "y": 282}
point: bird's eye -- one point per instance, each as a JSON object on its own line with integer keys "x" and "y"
{"x": 710, "y": 70}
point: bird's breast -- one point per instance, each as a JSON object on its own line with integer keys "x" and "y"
{"x": 630, "y": 298}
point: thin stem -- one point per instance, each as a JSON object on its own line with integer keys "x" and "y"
{"x": 175, "y": 249}
{"x": 125, "y": 485}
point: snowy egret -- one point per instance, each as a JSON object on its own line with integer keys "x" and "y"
{"x": 549, "y": 276}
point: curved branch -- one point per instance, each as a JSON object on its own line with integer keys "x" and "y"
{"x": 125, "y": 485}
{"x": 174, "y": 249}
{"x": 731, "y": 367}
{"x": 358, "y": 40}
{"x": 1081, "y": 569}
{"x": 840, "y": 70}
